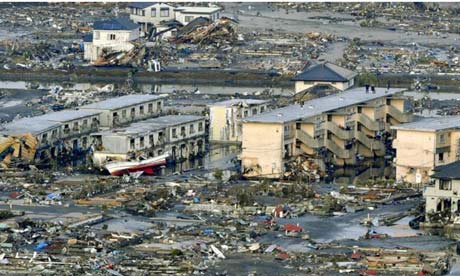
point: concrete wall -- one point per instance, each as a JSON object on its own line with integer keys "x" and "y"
{"x": 150, "y": 18}
{"x": 265, "y": 155}
{"x": 102, "y": 40}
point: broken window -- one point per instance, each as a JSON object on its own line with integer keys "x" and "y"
{"x": 150, "y": 108}
{"x": 174, "y": 133}
{"x": 132, "y": 144}
{"x": 164, "y": 12}
{"x": 200, "y": 126}
{"x": 262, "y": 109}
{"x": 45, "y": 138}
{"x": 66, "y": 128}
{"x": 182, "y": 131}
{"x": 245, "y": 114}
{"x": 151, "y": 140}
{"x": 75, "y": 126}
{"x": 141, "y": 110}
{"x": 445, "y": 184}
{"x": 85, "y": 123}
{"x": 192, "y": 129}
{"x": 141, "y": 142}
{"x": 133, "y": 112}
{"x": 94, "y": 123}
{"x": 159, "y": 106}
{"x": 160, "y": 137}
{"x": 254, "y": 111}
{"x": 84, "y": 142}
{"x": 441, "y": 157}
{"x": 153, "y": 12}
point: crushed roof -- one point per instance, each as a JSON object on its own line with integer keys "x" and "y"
{"x": 325, "y": 72}
{"x": 124, "y": 101}
{"x": 449, "y": 171}
{"x": 431, "y": 124}
{"x": 320, "y": 105}
{"x": 119, "y": 23}
{"x": 239, "y": 101}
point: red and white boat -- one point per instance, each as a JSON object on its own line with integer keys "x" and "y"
{"x": 147, "y": 166}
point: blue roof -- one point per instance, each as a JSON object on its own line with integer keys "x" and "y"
{"x": 120, "y": 23}
{"x": 88, "y": 38}
{"x": 141, "y": 5}
{"x": 325, "y": 72}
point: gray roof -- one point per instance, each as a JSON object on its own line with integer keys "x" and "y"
{"x": 320, "y": 105}
{"x": 68, "y": 115}
{"x": 449, "y": 171}
{"x": 431, "y": 124}
{"x": 172, "y": 120}
{"x": 120, "y": 102}
{"x": 325, "y": 72}
{"x": 120, "y": 23}
{"x": 238, "y": 101}
{"x": 198, "y": 10}
{"x": 141, "y": 5}
{"x": 33, "y": 125}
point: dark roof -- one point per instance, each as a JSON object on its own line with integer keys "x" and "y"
{"x": 449, "y": 171}
{"x": 325, "y": 72}
{"x": 88, "y": 38}
{"x": 141, "y": 5}
{"x": 120, "y": 23}
{"x": 193, "y": 25}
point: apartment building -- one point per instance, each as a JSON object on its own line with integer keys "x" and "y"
{"x": 115, "y": 112}
{"x": 443, "y": 195}
{"x": 57, "y": 132}
{"x": 338, "y": 129}
{"x": 116, "y": 34}
{"x": 324, "y": 74}
{"x": 183, "y": 136}
{"x": 225, "y": 118}
{"x": 425, "y": 144}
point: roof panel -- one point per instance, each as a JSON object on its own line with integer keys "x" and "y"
{"x": 124, "y": 101}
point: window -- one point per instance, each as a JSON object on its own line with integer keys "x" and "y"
{"x": 445, "y": 185}
{"x": 254, "y": 111}
{"x": 133, "y": 112}
{"x": 123, "y": 113}
{"x": 143, "y": 12}
{"x": 150, "y": 108}
{"x": 174, "y": 133}
{"x": 442, "y": 139}
{"x": 111, "y": 36}
{"x": 132, "y": 144}
{"x": 188, "y": 19}
{"x": 182, "y": 131}
{"x": 245, "y": 114}
{"x": 158, "y": 106}
{"x": 141, "y": 110}
{"x": 85, "y": 123}
{"x": 54, "y": 134}
{"x": 441, "y": 157}
{"x": 262, "y": 109}
{"x": 153, "y": 12}
{"x": 164, "y": 12}
{"x": 96, "y": 35}
{"x": 45, "y": 138}
{"x": 151, "y": 139}
{"x": 66, "y": 129}
{"x": 200, "y": 126}
{"x": 192, "y": 129}
{"x": 84, "y": 142}
{"x": 142, "y": 142}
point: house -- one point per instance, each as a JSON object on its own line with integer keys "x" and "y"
{"x": 324, "y": 74}
{"x": 150, "y": 14}
{"x": 112, "y": 35}
{"x": 186, "y": 15}
{"x": 126, "y": 109}
{"x": 336, "y": 128}
{"x": 425, "y": 144}
{"x": 183, "y": 136}
{"x": 443, "y": 195}
{"x": 225, "y": 117}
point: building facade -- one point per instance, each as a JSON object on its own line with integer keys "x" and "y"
{"x": 150, "y": 14}
{"x": 423, "y": 145}
{"x": 126, "y": 109}
{"x": 110, "y": 36}
{"x": 339, "y": 129}
{"x": 186, "y": 15}
{"x": 182, "y": 136}
{"x": 225, "y": 118}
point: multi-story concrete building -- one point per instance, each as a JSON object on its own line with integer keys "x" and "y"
{"x": 112, "y": 35}
{"x": 225, "y": 118}
{"x": 183, "y": 136}
{"x": 186, "y": 15}
{"x": 425, "y": 144}
{"x": 338, "y": 129}
{"x": 327, "y": 74}
{"x": 126, "y": 109}
{"x": 443, "y": 195}
{"x": 57, "y": 132}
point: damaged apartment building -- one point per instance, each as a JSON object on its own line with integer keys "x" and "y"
{"x": 425, "y": 144}
{"x": 181, "y": 136}
{"x": 67, "y": 133}
{"x": 339, "y": 129}
{"x": 225, "y": 118}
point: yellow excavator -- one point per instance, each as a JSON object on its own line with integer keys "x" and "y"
{"x": 17, "y": 146}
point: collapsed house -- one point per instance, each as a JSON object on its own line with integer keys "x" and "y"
{"x": 340, "y": 129}
{"x": 434, "y": 141}
{"x": 225, "y": 118}
{"x": 182, "y": 136}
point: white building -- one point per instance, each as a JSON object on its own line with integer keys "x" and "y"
{"x": 112, "y": 35}
{"x": 187, "y": 14}
{"x": 150, "y": 14}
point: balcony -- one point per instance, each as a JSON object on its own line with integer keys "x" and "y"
{"x": 308, "y": 140}
{"x": 400, "y": 116}
{"x": 368, "y": 122}
{"x": 338, "y": 131}
{"x": 337, "y": 150}
{"x": 369, "y": 142}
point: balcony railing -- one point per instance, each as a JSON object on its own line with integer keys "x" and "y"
{"x": 308, "y": 140}
{"x": 368, "y": 122}
{"x": 368, "y": 142}
{"x": 339, "y": 132}
{"x": 337, "y": 150}
{"x": 400, "y": 116}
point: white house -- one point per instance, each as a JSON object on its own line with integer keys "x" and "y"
{"x": 187, "y": 14}
{"x": 150, "y": 14}
{"x": 112, "y": 35}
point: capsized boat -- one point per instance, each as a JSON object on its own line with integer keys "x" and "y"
{"x": 146, "y": 166}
